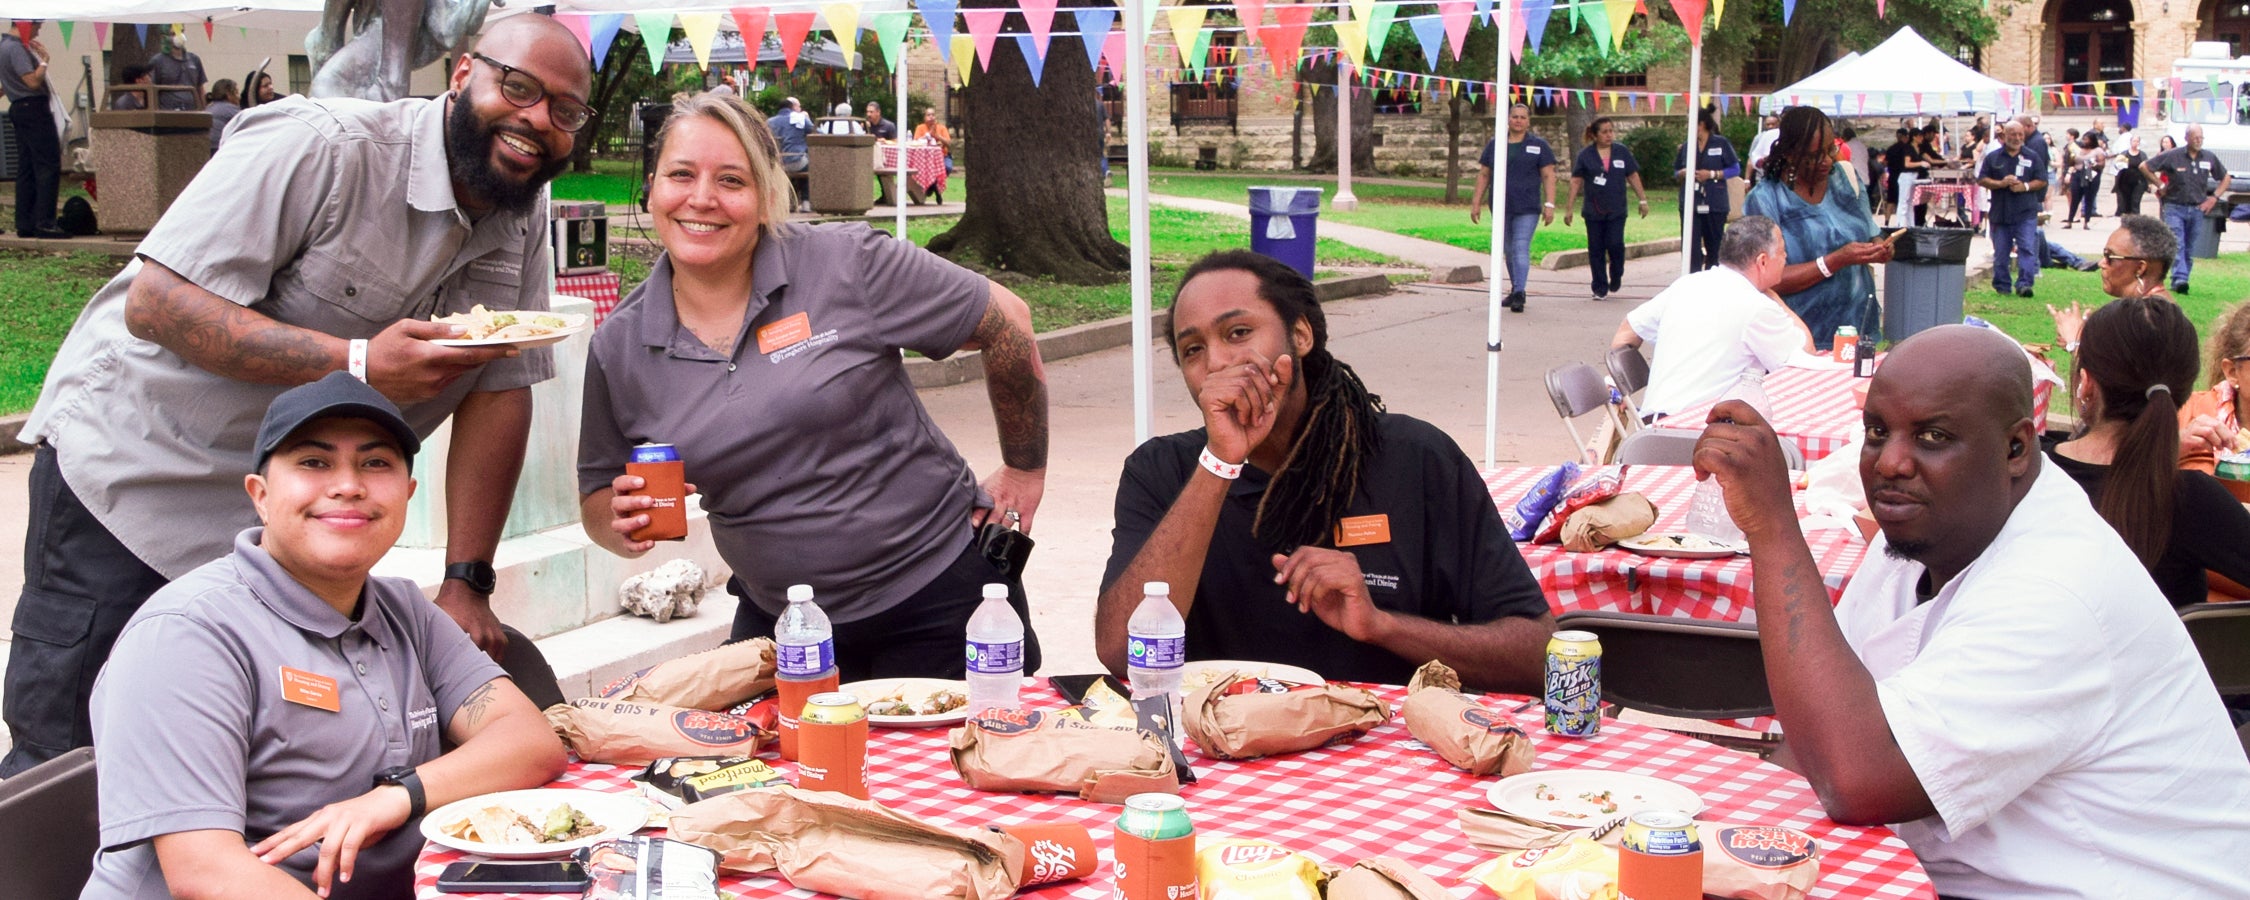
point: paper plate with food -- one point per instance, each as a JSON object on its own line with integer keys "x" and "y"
{"x": 1583, "y": 798}
{"x": 534, "y": 823}
{"x": 912, "y": 702}
{"x": 519, "y": 328}
{"x": 1197, "y": 673}
{"x": 1680, "y": 545}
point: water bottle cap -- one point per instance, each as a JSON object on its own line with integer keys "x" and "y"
{"x": 1157, "y": 589}
{"x": 995, "y": 592}
{"x": 800, "y": 592}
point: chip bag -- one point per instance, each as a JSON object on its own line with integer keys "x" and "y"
{"x": 1524, "y": 517}
{"x": 1759, "y": 862}
{"x": 1591, "y": 488}
{"x": 1578, "y": 870}
{"x": 1232, "y": 869}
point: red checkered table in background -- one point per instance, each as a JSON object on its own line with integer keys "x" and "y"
{"x": 927, "y": 161}
{"x": 600, "y": 287}
{"x": 1622, "y": 581}
{"x": 1384, "y": 794}
{"x": 1815, "y": 409}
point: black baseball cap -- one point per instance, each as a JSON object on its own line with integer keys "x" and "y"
{"x": 338, "y": 395}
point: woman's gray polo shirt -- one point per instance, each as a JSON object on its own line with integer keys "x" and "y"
{"x": 192, "y": 731}
{"x": 817, "y": 463}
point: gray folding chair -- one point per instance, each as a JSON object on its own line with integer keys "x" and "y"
{"x": 1630, "y": 371}
{"x": 1658, "y": 447}
{"x": 49, "y": 828}
{"x": 1684, "y": 668}
{"x": 2221, "y": 632}
{"x": 1576, "y": 390}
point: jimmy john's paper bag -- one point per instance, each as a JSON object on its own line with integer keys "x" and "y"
{"x": 1758, "y": 862}
{"x": 714, "y": 679}
{"x": 1385, "y": 878}
{"x": 1035, "y": 750}
{"x": 636, "y": 734}
{"x": 827, "y": 842}
{"x": 1499, "y": 832}
{"x": 1239, "y": 716}
{"x": 1597, "y": 526}
{"x": 1477, "y": 739}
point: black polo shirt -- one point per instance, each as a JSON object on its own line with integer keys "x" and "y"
{"x": 1448, "y": 559}
{"x": 2011, "y": 207}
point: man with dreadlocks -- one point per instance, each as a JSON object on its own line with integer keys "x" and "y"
{"x": 1301, "y": 491}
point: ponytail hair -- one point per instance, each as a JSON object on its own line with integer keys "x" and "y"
{"x": 1338, "y": 433}
{"x": 2142, "y": 353}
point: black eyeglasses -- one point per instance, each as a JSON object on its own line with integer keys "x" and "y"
{"x": 525, "y": 92}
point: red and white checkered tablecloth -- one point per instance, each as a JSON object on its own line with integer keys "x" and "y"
{"x": 600, "y": 287}
{"x": 1622, "y": 581}
{"x": 1815, "y": 409}
{"x": 1384, "y": 794}
{"x": 926, "y": 160}
{"x": 1964, "y": 194}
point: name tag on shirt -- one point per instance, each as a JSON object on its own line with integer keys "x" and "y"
{"x": 2203, "y": 164}
{"x": 1529, "y": 150}
{"x": 1601, "y": 180}
{"x": 1354, "y": 531}
{"x": 2023, "y": 167}
{"x": 788, "y": 332}
{"x": 1617, "y": 164}
{"x": 1711, "y": 152}
{"x": 307, "y": 689}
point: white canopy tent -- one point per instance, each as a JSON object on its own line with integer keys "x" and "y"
{"x": 1903, "y": 76}
{"x": 266, "y": 14}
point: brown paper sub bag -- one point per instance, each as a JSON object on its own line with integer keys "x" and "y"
{"x": 827, "y": 842}
{"x": 1602, "y": 524}
{"x": 1241, "y": 716}
{"x": 1035, "y": 750}
{"x": 1499, "y": 832}
{"x": 1385, "y": 878}
{"x": 714, "y": 679}
{"x": 1474, "y": 738}
{"x": 1759, "y": 862}
{"x": 636, "y": 734}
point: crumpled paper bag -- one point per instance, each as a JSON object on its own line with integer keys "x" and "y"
{"x": 834, "y": 844}
{"x": 1499, "y": 832}
{"x": 1385, "y": 878}
{"x": 714, "y": 679}
{"x": 1597, "y": 526}
{"x": 636, "y": 734}
{"x": 1038, "y": 750}
{"x": 1473, "y": 738}
{"x": 1239, "y": 716}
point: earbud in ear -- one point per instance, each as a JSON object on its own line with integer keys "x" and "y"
{"x": 2015, "y": 448}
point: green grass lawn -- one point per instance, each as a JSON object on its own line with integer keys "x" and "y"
{"x": 613, "y": 181}
{"x": 2219, "y": 285}
{"x": 40, "y": 295}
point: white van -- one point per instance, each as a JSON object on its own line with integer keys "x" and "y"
{"x": 2225, "y": 115}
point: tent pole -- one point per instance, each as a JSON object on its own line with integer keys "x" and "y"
{"x": 1687, "y": 189}
{"x": 1136, "y": 205}
{"x": 1345, "y": 200}
{"x": 1497, "y": 208}
{"x": 904, "y": 116}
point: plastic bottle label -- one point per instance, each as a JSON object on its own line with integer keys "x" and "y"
{"x": 805, "y": 660}
{"x": 1155, "y": 652}
{"x": 996, "y": 657}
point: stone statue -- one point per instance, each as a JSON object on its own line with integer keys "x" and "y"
{"x": 368, "y": 48}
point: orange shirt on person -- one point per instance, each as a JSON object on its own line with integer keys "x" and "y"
{"x": 2217, "y": 401}
{"x": 925, "y": 132}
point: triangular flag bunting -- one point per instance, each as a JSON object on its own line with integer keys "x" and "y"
{"x": 1040, "y": 16}
{"x": 1363, "y": 10}
{"x": 1788, "y": 10}
{"x": 1351, "y": 37}
{"x": 1379, "y": 27}
{"x": 792, "y": 27}
{"x": 101, "y": 35}
{"x": 579, "y": 28}
{"x": 701, "y": 27}
{"x": 1516, "y": 31}
{"x": 1596, "y": 17}
{"x": 604, "y": 32}
{"x": 1880, "y": 12}
{"x": 843, "y": 22}
{"x": 1199, "y": 55}
{"x": 656, "y": 32}
{"x": 1186, "y": 22}
{"x": 1431, "y": 34}
{"x": 1718, "y": 11}
{"x": 1285, "y": 39}
{"x": 207, "y": 25}
{"x": 1620, "y": 18}
{"x": 66, "y": 26}
{"x": 890, "y": 34}
{"x": 1093, "y": 29}
{"x": 1455, "y": 15}
{"x": 984, "y": 27}
{"x": 1113, "y": 51}
{"x": 962, "y": 54}
{"x": 1251, "y": 13}
{"x": 751, "y": 22}
{"x": 1038, "y": 65}
{"x": 937, "y": 16}
{"x": 1691, "y": 17}
{"x": 1535, "y": 14}
{"x": 140, "y": 30}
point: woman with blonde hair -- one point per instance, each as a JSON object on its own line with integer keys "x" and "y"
{"x": 2218, "y": 409}
{"x": 769, "y": 355}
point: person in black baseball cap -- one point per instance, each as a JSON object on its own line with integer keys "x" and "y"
{"x": 336, "y": 396}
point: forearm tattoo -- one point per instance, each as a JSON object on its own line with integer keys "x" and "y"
{"x": 1018, "y": 388}
{"x": 221, "y": 337}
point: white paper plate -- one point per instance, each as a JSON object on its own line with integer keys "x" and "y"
{"x": 617, "y": 814}
{"x": 1667, "y": 544}
{"x": 914, "y": 690}
{"x": 577, "y": 323}
{"x": 1194, "y": 675}
{"x": 1524, "y": 795}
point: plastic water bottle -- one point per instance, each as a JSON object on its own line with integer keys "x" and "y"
{"x": 1707, "y": 508}
{"x": 804, "y": 663}
{"x": 995, "y": 653}
{"x": 1156, "y": 646}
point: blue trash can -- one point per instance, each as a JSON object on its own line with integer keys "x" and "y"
{"x": 1283, "y": 224}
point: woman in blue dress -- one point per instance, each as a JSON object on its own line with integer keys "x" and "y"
{"x": 1823, "y": 216}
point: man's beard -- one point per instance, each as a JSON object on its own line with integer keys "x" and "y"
{"x": 468, "y": 158}
{"x": 1910, "y": 551}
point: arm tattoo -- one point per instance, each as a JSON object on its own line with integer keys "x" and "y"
{"x": 478, "y": 703}
{"x": 221, "y": 337}
{"x": 1018, "y": 388}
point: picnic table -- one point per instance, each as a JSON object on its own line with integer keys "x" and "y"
{"x": 1962, "y": 195}
{"x": 1382, "y": 794}
{"x": 1816, "y": 409}
{"x": 925, "y": 162}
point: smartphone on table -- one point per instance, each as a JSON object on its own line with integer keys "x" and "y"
{"x": 543, "y": 876}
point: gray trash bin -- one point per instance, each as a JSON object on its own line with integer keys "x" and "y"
{"x": 1924, "y": 282}
{"x": 1283, "y": 224}
{"x": 2207, "y": 236}
{"x": 842, "y": 170}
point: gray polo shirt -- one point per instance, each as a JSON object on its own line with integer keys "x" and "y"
{"x": 193, "y": 730}
{"x": 350, "y": 226}
{"x": 817, "y": 462}
{"x": 166, "y": 70}
{"x": 16, "y": 61}
{"x": 2190, "y": 178}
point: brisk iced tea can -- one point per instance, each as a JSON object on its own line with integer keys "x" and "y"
{"x": 1154, "y": 851}
{"x": 663, "y": 477}
{"x": 832, "y": 745}
{"x": 1574, "y": 684}
{"x": 1660, "y": 857}
{"x": 1847, "y": 341}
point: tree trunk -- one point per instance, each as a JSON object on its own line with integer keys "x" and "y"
{"x": 1576, "y": 117}
{"x": 1322, "y": 78}
{"x": 1805, "y": 47}
{"x": 1454, "y": 107}
{"x": 1035, "y": 203}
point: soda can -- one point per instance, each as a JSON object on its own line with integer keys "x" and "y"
{"x": 1154, "y": 852}
{"x": 664, "y": 477}
{"x": 1574, "y": 684}
{"x": 1847, "y": 339}
{"x": 832, "y": 745}
{"x": 1660, "y": 857}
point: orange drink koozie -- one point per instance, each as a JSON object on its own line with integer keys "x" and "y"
{"x": 1155, "y": 869}
{"x": 663, "y": 477}
{"x": 1058, "y": 851}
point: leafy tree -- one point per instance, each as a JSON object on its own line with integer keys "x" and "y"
{"x": 1823, "y": 30}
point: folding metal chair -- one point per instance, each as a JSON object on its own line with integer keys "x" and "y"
{"x": 1576, "y": 390}
{"x": 1630, "y": 371}
{"x": 1658, "y": 447}
{"x": 49, "y": 828}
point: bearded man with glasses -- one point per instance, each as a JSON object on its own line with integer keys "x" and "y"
{"x": 367, "y": 220}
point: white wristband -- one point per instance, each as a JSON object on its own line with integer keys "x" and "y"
{"x": 355, "y": 361}
{"x": 1821, "y": 263}
{"x": 1214, "y": 465}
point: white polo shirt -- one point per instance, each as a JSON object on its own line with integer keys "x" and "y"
{"x": 1709, "y": 328}
{"x": 2053, "y": 708}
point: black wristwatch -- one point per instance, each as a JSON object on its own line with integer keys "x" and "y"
{"x": 477, "y": 574}
{"x": 404, "y": 777}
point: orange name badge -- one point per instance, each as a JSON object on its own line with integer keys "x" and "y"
{"x": 1356, "y": 530}
{"x": 785, "y": 333}
{"x": 302, "y": 687}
